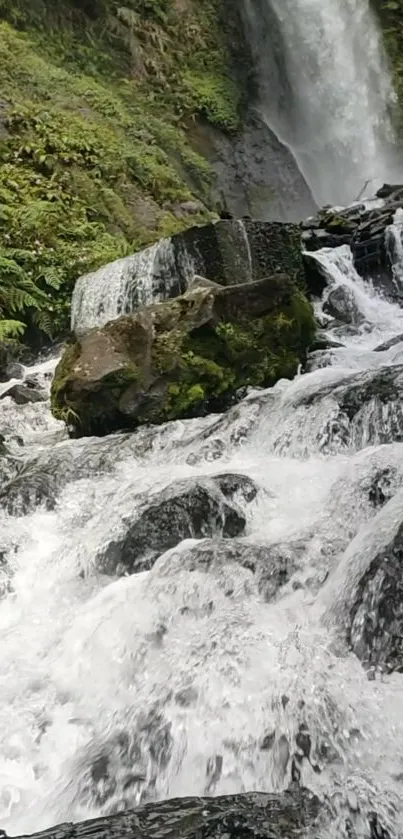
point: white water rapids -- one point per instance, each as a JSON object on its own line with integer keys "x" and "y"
{"x": 176, "y": 675}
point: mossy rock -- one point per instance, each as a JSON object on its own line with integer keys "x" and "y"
{"x": 184, "y": 357}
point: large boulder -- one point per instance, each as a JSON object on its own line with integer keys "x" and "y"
{"x": 185, "y": 509}
{"x": 183, "y": 357}
{"x": 271, "y": 566}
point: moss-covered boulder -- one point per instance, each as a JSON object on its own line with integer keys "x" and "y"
{"x": 183, "y": 357}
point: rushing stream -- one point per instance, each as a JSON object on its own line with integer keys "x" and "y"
{"x": 197, "y": 675}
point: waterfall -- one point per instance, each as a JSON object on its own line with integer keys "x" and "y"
{"x": 121, "y": 286}
{"x": 220, "y": 252}
{"x": 324, "y": 90}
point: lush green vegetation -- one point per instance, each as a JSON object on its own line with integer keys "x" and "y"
{"x": 95, "y": 98}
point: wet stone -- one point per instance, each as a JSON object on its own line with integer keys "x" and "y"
{"x": 192, "y": 508}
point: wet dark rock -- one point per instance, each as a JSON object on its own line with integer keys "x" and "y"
{"x": 389, "y": 344}
{"x": 23, "y": 394}
{"x": 382, "y": 487}
{"x": 387, "y": 190}
{"x": 315, "y": 278}
{"x": 341, "y": 305}
{"x": 40, "y": 480}
{"x": 267, "y": 741}
{"x": 376, "y": 634}
{"x": 257, "y": 173}
{"x": 365, "y": 230}
{"x": 232, "y": 485}
{"x": 192, "y": 508}
{"x": 272, "y": 566}
{"x": 112, "y": 773}
{"x": 323, "y": 342}
{"x": 27, "y": 488}
{"x": 244, "y": 816}
{"x": 4, "y": 359}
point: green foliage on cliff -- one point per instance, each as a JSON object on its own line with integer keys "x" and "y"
{"x": 95, "y": 98}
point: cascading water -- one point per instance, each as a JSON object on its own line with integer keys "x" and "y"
{"x": 198, "y": 673}
{"x": 123, "y": 285}
{"x": 161, "y": 271}
{"x": 325, "y": 90}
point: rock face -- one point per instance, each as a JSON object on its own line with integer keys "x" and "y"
{"x": 183, "y": 357}
{"x": 255, "y": 172}
{"x": 272, "y": 566}
{"x": 187, "y": 509}
{"x": 25, "y": 393}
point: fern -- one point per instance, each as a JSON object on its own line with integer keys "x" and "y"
{"x": 44, "y": 321}
{"x": 11, "y": 329}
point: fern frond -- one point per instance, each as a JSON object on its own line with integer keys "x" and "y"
{"x": 11, "y": 329}
{"x": 43, "y": 320}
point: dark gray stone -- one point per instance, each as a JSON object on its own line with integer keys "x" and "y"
{"x": 192, "y": 508}
{"x": 272, "y": 565}
{"x": 340, "y": 304}
{"x": 398, "y": 339}
{"x": 256, "y": 174}
{"x": 376, "y": 633}
{"x": 23, "y": 394}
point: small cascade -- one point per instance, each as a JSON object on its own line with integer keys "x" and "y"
{"x": 120, "y": 287}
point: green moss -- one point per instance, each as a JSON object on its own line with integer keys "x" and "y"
{"x": 218, "y": 361}
{"x": 59, "y": 405}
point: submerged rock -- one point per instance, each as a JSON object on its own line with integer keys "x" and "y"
{"x": 272, "y": 566}
{"x": 184, "y": 357}
{"x": 341, "y": 304}
{"x": 192, "y": 508}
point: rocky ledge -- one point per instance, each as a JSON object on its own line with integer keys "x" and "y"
{"x": 184, "y": 357}
{"x": 364, "y": 227}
